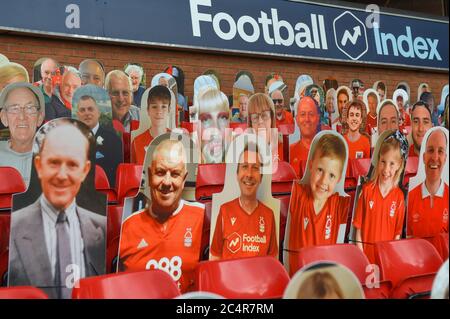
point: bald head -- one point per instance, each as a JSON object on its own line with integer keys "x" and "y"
{"x": 92, "y": 73}
{"x": 171, "y": 151}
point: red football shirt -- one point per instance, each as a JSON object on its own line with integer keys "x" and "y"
{"x": 359, "y": 148}
{"x": 298, "y": 152}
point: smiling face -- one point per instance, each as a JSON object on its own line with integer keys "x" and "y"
{"x": 135, "y": 80}
{"x": 325, "y": 174}
{"x": 278, "y": 102}
{"x": 354, "y": 118}
{"x": 243, "y": 106}
{"x": 158, "y": 111}
{"x": 307, "y": 117}
{"x": 88, "y": 112}
{"x": 48, "y": 68}
{"x": 70, "y": 82}
{"x": 249, "y": 174}
{"x": 92, "y": 73}
{"x": 167, "y": 175}
{"x": 342, "y": 100}
{"x": 388, "y": 165}
{"x": 435, "y": 156}
{"x": 388, "y": 119}
{"x": 421, "y": 123}
{"x": 62, "y": 165}
{"x": 372, "y": 101}
{"x": 22, "y": 124}
{"x": 121, "y": 96}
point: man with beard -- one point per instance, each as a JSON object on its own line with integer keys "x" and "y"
{"x": 245, "y": 227}
{"x": 354, "y": 116}
{"x": 167, "y": 233}
{"x": 421, "y": 123}
{"x": 119, "y": 87}
{"x": 428, "y": 202}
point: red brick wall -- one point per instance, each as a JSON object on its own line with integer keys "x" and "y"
{"x": 27, "y": 49}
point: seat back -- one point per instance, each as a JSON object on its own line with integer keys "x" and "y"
{"x": 360, "y": 167}
{"x": 102, "y": 184}
{"x": 243, "y": 278}
{"x": 282, "y": 179}
{"x": 128, "y": 180}
{"x": 440, "y": 242}
{"x": 25, "y": 292}
{"x": 415, "y": 287}
{"x": 148, "y": 284}
{"x": 210, "y": 180}
{"x": 400, "y": 259}
{"x": 345, "y": 254}
{"x": 411, "y": 169}
{"x": 14, "y": 185}
{"x": 5, "y": 220}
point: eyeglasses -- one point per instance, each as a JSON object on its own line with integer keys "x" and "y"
{"x": 27, "y": 109}
{"x": 263, "y": 116}
{"x": 125, "y": 93}
{"x": 277, "y": 101}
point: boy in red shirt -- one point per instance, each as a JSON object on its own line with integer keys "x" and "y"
{"x": 380, "y": 208}
{"x": 316, "y": 211}
{"x": 167, "y": 233}
{"x": 354, "y": 116}
{"x": 371, "y": 99}
{"x": 245, "y": 227}
{"x": 428, "y": 202}
{"x": 158, "y": 108}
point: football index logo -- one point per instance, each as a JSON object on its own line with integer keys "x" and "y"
{"x": 234, "y": 243}
{"x": 350, "y": 35}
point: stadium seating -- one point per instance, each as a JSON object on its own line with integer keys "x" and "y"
{"x": 14, "y": 185}
{"x": 242, "y": 278}
{"x": 206, "y": 232}
{"x": 102, "y": 185}
{"x": 134, "y": 125}
{"x": 210, "y": 180}
{"x": 238, "y": 126}
{"x": 113, "y": 236}
{"x": 411, "y": 169}
{"x": 440, "y": 242}
{"x": 360, "y": 167}
{"x": 128, "y": 180}
{"x": 282, "y": 179}
{"x": 24, "y": 292}
{"x": 147, "y": 284}
{"x": 410, "y": 264}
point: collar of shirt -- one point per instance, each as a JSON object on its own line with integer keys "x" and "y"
{"x": 179, "y": 208}
{"x": 439, "y": 193}
{"x": 95, "y": 129}
{"x": 52, "y": 212}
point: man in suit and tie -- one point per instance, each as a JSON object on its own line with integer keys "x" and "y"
{"x": 54, "y": 242}
{"x": 109, "y": 152}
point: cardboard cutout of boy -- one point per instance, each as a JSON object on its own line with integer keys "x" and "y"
{"x": 245, "y": 218}
{"x": 58, "y": 226}
{"x": 319, "y": 206}
{"x": 92, "y": 106}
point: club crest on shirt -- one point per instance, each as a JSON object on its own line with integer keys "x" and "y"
{"x": 416, "y": 217}
{"x": 328, "y": 227}
{"x": 305, "y": 222}
{"x": 188, "y": 237}
{"x": 445, "y": 216}
{"x": 392, "y": 210}
{"x": 371, "y": 204}
{"x": 233, "y": 220}
{"x": 262, "y": 224}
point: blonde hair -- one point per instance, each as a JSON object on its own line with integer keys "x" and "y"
{"x": 389, "y": 144}
{"x": 260, "y": 102}
{"x": 211, "y": 100}
{"x": 318, "y": 286}
{"x": 330, "y": 145}
{"x": 10, "y": 70}
{"x": 117, "y": 74}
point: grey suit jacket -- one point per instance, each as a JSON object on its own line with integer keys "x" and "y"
{"x": 29, "y": 263}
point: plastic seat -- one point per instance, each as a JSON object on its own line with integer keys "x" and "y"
{"x": 238, "y": 126}
{"x": 407, "y": 259}
{"x": 25, "y": 292}
{"x": 113, "y": 235}
{"x": 5, "y": 220}
{"x": 282, "y": 179}
{"x": 14, "y": 185}
{"x": 210, "y": 180}
{"x": 440, "y": 242}
{"x": 128, "y": 180}
{"x": 148, "y": 284}
{"x": 206, "y": 232}
{"x": 360, "y": 167}
{"x": 134, "y": 125}
{"x": 284, "y": 208}
{"x": 102, "y": 185}
{"x": 411, "y": 169}
{"x": 350, "y": 180}
{"x": 126, "y": 142}
{"x": 243, "y": 278}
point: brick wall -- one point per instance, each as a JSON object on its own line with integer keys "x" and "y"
{"x": 27, "y": 49}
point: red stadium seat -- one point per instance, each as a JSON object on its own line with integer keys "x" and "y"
{"x": 440, "y": 242}
{"x": 4, "y": 243}
{"x": 134, "y": 125}
{"x": 238, "y": 126}
{"x": 243, "y": 278}
{"x": 411, "y": 169}
{"x": 126, "y": 142}
{"x": 113, "y": 236}
{"x": 102, "y": 185}
{"x": 407, "y": 261}
{"x": 148, "y": 284}
{"x": 24, "y": 292}
{"x": 346, "y": 254}
{"x": 14, "y": 185}
{"x": 350, "y": 180}
{"x": 188, "y": 126}
{"x": 360, "y": 167}
{"x": 284, "y": 209}
{"x": 210, "y": 179}
{"x": 282, "y": 179}
{"x": 128, "y": 180}
{"x": 206, "y": 232}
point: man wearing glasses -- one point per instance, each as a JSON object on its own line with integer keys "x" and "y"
{"x": 282, "y": 116}
{"x": 119, "y": 87}
{"x": 22, "y": 112}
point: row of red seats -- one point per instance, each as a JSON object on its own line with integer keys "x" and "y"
{"x": 407, "y": 270}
